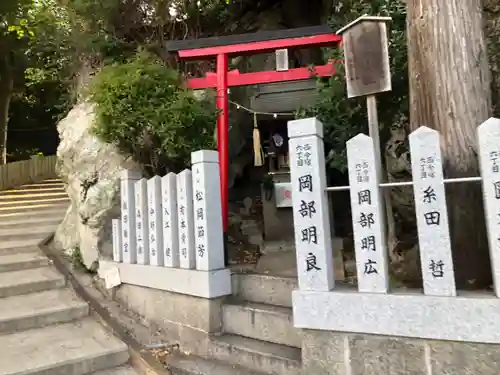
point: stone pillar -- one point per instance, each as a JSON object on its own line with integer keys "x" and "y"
{"x": 368, "y": 218}
{"x": 432, "y": 213}
{"x": 185, "y": 219}
{"x": 209, "y": 239}
{"x": 311, "y": 217}
{"x": 155, "y": 221}
{"x": 128, "y": 179}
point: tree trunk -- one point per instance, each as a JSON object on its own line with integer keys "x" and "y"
{"x": 450, "y": 92}
{"x": 6, "y": 88}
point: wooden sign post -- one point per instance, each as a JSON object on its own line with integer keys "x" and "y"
{"x": 366, "y": 56}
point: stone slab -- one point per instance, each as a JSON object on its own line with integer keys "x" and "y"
{"x": 29, "y": 281}
{"x": 20, "y": 246}
{"x": 17, "y": 244}
{"x": 123, "y": 370}
{"x": 386, "y": 355}
{"x": 16, "y": 262}
{"x": 36, "y": 310}
{"x": 38, "y": 195}
{"x": 334, "y": 353}
{"x": 9, "y": 234}
{"x": 257, "y": 355}
{"x": 470, "y": 317}
{"x": 34, "y": 211}
{"x": 33, "y": 202}
{"x": 73, "y": 348}
{"x": 43, "y": 220}
{"x": 206, "y": 284}
{"x": 463, "y": 358}
{"x": 266, "y": 289}
{"x": 262, "y": 322}
{"x": 189, "y": 365}
{"x": 185, "y": 319}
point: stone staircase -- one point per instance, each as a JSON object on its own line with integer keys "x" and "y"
{"x": 258, "y": 326}
{"x": 45, "y": 329}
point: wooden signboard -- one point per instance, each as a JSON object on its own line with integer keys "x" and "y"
{"x": 366, "y": 56}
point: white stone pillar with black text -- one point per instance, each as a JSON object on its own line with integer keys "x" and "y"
{"x": 489, "y": 157}
{"x": 117, "y": 240}
{"x": 367, "y": 216}
{"x": 432, "y": 213}
{"x": 185, "y": 219}
{"x": 141, "y": 221}
{"x": 209, "y": 240}
{"x": 170, "y": 222}
{"x": 313, "y": 241}
{"x": 127, "y": 182}
{"x": 155, "y": 221}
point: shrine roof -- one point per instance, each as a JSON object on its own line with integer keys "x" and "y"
{"x": 261, "y": 36}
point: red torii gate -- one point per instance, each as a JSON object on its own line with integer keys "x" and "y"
{"x": 221, "y": 48}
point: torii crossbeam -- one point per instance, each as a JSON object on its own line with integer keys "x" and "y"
{"x": 220, "y": 48}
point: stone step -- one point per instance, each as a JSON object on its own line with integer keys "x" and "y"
{"x": 76, "y": 348}
{"x": 28, "y": 191}
{"x": 48, "y": 209}
{"x": 191, "y": 365}
{"x": 29, "y": 222}
{"x": 32, "y": 202}
{"x": 40, "y": 195}
{"x": 262, "y": 322}
{"x": 257, "y": 355}
{"x": 42, "y": 185}
{"x": 19, "y": 233}
{"x": 122, "y": 370}
{"x": 271, "y": 290}
{"x": 20, "y": 246}
{"x": 22, "y": 261}
{"x": 29, "y": 281}
{"x": 36, "y": 310}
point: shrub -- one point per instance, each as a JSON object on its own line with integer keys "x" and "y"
{"x": 143, "y": 108}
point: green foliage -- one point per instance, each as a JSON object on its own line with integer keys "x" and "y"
{"x": 41, "y": 65}
{"x": 344, "y": 118}
{"x": 112, "y": 30}
{"x": 143, "y": 109}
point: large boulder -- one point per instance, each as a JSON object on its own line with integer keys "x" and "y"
{"x": 91, "y": 169}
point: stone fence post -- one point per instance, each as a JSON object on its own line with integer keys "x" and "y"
{"x": 209, "y": 238}
{"x": 128, "y": 179}
{"x": 311, "y": 217}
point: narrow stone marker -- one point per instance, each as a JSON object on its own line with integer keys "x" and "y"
{"x": 313, "y": 242}
{"x": 209, "y": 238}
{"x": 367, "y": 216}
{"x": 170, "y": 222}
{"x": 117, "y": 240}
{"x": 141, "y": 223}
{"x": 185, "y": 219}
{"x": 128, "y": 226}
{"x": 155, "y": 221}
{"x": 489, "y": 158}
{"x": 432, "y": 214}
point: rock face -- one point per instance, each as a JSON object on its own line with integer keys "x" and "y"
{"x": 91, "y": 169}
